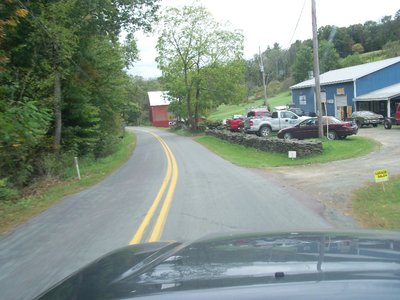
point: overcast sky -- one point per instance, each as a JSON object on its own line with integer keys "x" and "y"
{"x": 265, "y": 22}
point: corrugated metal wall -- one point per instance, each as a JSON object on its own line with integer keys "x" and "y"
{"x": 377, "y": 80}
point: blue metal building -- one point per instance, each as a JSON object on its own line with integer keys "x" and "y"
{"x": 373, "y": 86}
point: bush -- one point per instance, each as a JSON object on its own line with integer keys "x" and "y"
{"x": 53, "y": 165}
{"x": 105, "y": 146}
{"x": 7, "y": 192}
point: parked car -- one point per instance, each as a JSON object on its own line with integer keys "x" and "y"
{"x": 278, "y": 120}
{"x": 255, "y": 114}
{"x": 394, "y": 120}
{"x": 366, "y": 118}
{"x": 309, "y": 129}
{"x": 258, "y": 112}
{"x": 236, "y": 123}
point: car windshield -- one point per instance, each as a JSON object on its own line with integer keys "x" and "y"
{"x": 330, "y": 120}
{"x": 367, "y": 113}
{"x": 149, "y": 124}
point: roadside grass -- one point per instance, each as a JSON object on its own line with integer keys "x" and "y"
{"x": 226, "y": 111}
{"x": 184, "y": 132}
{"x": 251, "y": 157}
{"x": 47, "y": 192}
{"x": 374, "y": 208}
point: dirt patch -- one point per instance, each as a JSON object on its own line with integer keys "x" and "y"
{"x": 332, "y": 184}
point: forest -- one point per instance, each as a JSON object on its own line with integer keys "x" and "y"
{"x": 65, "y": 89}
{"x": 339, "y": 47}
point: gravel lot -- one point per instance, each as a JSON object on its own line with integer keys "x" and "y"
{"x": 331, "y": 184}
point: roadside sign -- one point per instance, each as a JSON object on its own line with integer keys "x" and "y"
{"x": 292, "y": 154}
{"x": 381, "y": 175}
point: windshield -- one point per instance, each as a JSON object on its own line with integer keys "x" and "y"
{"x": 331, "y": 120}
{"x": 367, "y": 113}
{"x": 136, "y": 123}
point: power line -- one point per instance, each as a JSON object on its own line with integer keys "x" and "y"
{"x": 297, "y": 24}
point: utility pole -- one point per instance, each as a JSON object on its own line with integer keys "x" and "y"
{"x": 263, "y": 76}
{"x": 316, "y": 70}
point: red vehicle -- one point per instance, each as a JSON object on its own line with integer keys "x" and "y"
{"x": 309, "y": 129}
{"x": 395, "y": 120}
{"x": 236, "y": 123}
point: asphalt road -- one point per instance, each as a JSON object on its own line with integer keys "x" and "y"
{"x": 203, "y": 194}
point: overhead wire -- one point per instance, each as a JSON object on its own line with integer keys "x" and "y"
{"x": 298, "y": 21}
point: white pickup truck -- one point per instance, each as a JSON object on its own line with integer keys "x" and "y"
{"x": 278, "y": 120}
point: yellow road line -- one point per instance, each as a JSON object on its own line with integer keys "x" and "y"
{"x": 159, "y": 226}
{"x": 172, "y": 169}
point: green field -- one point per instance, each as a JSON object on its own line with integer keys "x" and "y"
{"x": 251, "y": 157}
{"x": 378, "y": 206}
{"x": 226, "y": 111}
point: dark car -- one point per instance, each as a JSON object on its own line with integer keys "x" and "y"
{"x": 366, "y": 118}
{"x": 294, "y": 265}
{"x": 309, "y": 129}
{"x": 298, "y": 111}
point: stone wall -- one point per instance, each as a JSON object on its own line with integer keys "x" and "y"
{"x": 270, "y": 144}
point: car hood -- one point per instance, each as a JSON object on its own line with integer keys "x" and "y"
{"x": 270, "y": 261}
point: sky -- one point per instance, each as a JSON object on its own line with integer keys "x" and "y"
{"x": 265, "y": 22}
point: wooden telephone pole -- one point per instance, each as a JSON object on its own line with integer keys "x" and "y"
{"x": 263, "y": 76}
{"x": 316, "y": 69}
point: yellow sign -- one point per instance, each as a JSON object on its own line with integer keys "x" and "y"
{"x": 340, "y": 91}
{"x": 381, "y": 175}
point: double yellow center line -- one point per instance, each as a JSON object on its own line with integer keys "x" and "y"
{"x": 170, "y": 179}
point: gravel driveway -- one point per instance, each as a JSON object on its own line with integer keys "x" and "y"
{"x": 331, "y": 184}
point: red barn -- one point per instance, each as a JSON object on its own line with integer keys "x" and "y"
{"x": 159, "y": 115}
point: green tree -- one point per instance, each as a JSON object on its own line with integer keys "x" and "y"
{"x": 328, "y": 57}
{"x": 303, "y": 64}
{"x": 392, "y": 49}
{"x": 357, "y": 48}
{"x": 63, "y": 79}
{"x": 200, "y": 61}
{"x": 351, "y": 60}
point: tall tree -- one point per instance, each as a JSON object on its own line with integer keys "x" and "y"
{"x": 329, "y": 58}
{"x": 196, "y": 56}
{"x": 303, "y": 64}
{"x": 63, "y": 78}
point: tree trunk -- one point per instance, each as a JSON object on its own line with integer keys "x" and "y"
{"x": 189, "y": 111}
{"x": 196, "y": 108}
{"x": 57, "y": 108}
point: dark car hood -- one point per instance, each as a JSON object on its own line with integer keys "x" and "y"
{"x": 280, "y": 261}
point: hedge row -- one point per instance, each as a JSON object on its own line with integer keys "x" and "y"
{"x": 270, "y": 144}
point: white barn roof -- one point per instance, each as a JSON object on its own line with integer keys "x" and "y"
{"x": 348, "y": 74}
{"x": 381, "y": 94}
{"x": 158, "y": 98}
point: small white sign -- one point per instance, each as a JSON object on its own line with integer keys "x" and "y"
{"x": 292, "y": 154}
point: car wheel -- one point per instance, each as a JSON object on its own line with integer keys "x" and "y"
{"x": 264, "y": 131}
{"x": 287, "y": 136}
{"x": 332, "y": 135}
{"x": 374, "y": 125}
{"x": 387, "y": 124}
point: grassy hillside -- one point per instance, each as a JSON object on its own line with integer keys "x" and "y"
{"x": 226, "y": 111}
{"x": 373, "y": 56}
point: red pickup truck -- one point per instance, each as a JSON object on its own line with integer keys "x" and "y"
{"x": 236, "y": 123}
{"x": 395, "y": 120}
